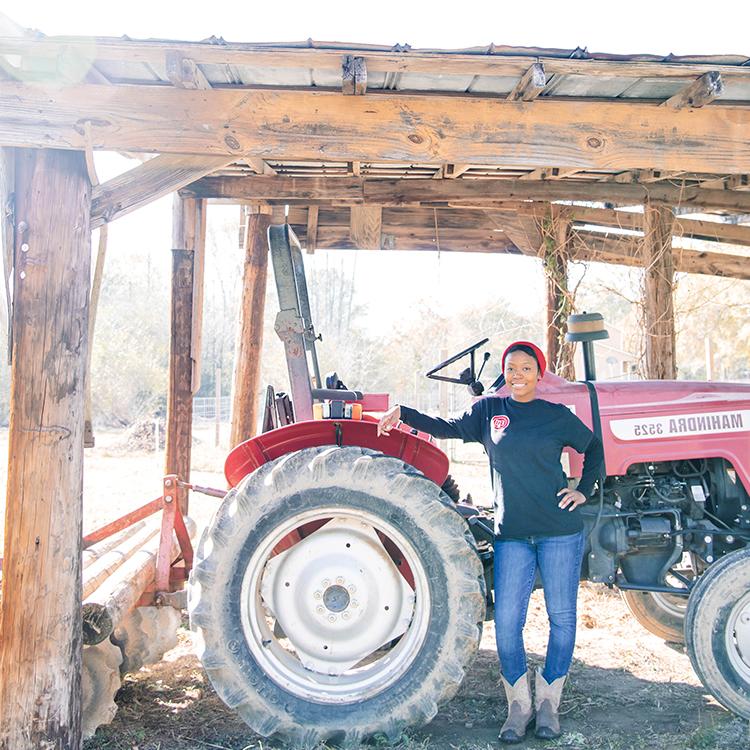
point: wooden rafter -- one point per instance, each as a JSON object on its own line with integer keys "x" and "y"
{"x": 532, "y": 84}
{"x": 481, "y": 193}
{"x": 148, "y": 181}
{"x": 314, "y": 124}
{"x": 378, "y": 61}
{"x": 700, "y": 92}
{"x": 184, "y": 72}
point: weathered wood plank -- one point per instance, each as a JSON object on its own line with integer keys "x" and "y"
{"x": 40, "y": 648}
{"x": 347, "y": 75}
{"x": 311, "y": 190}
{"x": 312, "y": 228}
{"x": 700, "y": 92}
{"x": 186, "y": 231}
{"x": 658, "y": 303}
{"x": 414, "y": 61}
{"x": 360, "y": 76}
{"x": 184, "y": 72}
{"x": 250, "y": 334}
{"x": 595, "y": 246}
{"x": 366, "y": 226}
{"x": 386, "y": 126}
{"x": 532, "y": 84}
{"x": 684, "y": 226}
{"x": 147, "y": 182}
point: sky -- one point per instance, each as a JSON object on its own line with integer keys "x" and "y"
{"x": 409, "y": 284}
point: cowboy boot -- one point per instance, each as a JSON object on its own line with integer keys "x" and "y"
{"x": 547, "y": 704}
{"x": 520, "y": 711}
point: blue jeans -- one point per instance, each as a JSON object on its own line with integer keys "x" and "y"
{"x": 516, "y": 561}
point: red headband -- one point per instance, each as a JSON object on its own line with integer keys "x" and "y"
{"x": 540, "y": 360}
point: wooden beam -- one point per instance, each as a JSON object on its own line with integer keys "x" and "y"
{"x": 549, "y": 173}
{"x": 383, "y": 127}
{"x": 366, "y": 226}
{"x": 700, "y": 92}
{"x": 641, "y": 175}
{"x": 184, "y": 72}
{"x": 147, "y": 182}
{"x": 311, "y": 190}
{"x": 187, "y": 223}
{"x": 555, "y": 252}
{"x": 532, "y": 84}
{"x": 360, "y": 76}
{"x": 683, "y": 226}
{"x": 400, "y": 238}
{"x": 347, "y": 75}
{"x": 378, "y": 61}
{"x": 40, "y": 648}
{"x": 603, "y": 248}
{"x": 452, "y": 171}
{"x": 658, "y": 303}
{"x": 250, "y": 335}
{"x": 312, "y": 229}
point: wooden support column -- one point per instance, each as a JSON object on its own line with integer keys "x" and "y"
{"x": 250, "y": 332}
{"x": 556, "y": 252}
{"x": 658, "y": 285}
{"x": 40, "y": 623}
{"x": 188, "y": 236}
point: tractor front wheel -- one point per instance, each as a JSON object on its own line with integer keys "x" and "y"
{"x": 717, "y": 631}
{"x": 336, "y": 595}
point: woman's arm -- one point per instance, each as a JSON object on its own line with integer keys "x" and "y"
{"x": 467, "y": 427}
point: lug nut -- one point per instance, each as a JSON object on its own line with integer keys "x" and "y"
{"x": 331, "y": 618}
{"x": 317, "y": 595}
{"x": 345, "y": 616}
{"x": 320, "y": 610}
{"x": 339, "y": 580}
{"x": 326, "y": 583}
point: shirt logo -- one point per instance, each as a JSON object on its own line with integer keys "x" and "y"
{"x": 500, "y": 422}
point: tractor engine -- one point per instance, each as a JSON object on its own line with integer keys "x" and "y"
{"x": 656, "y": 514}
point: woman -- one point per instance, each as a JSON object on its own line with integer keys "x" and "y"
{"x": 536, "y": 524}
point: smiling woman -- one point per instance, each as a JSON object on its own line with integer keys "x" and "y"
{"x": 536, "y": 526}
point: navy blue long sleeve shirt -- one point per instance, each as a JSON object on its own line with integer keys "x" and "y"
{"x": 524, "y": 442}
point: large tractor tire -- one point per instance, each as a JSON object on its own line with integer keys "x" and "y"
{"x": 336, "y": 595}
{"x": 661, "y": 614}
{"x": 717, "y": 631}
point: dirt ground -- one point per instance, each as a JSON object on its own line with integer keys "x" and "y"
{"x": 627, "y": 689}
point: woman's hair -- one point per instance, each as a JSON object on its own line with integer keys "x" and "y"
{"x": 522, "y": 348}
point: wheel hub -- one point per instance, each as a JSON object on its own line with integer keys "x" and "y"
{"x": 739, "y": 626}
{"x": 337, "y": 596}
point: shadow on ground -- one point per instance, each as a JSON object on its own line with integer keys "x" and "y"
{"x": 171, "y": 706}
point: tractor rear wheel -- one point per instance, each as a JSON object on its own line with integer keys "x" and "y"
{"x": 336, "y": 595}
{"x": 661, "y": 614}
{"x": 717, "y": 631}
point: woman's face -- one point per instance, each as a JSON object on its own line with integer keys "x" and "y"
{"x": 521, "y": 375}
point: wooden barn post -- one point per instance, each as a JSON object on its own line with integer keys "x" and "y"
{"x": 188, "y": 240}
{"x": 40, "y": 638}
{"x": 555, "y": 254}
{"x": 250, "y": 332}
{"x": 658, "y": 288}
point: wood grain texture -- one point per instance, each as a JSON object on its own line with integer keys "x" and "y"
{"x": 40, "y": 648}
{"x": 147, "y": 182}
{"x": 250, "y": 330}
{"x": 366, "y": 226}
{"x": 532, "y": 84}
{"x": 658, "y": 288}
{"x": 700, "y": 92}
{"x": 415, "y": 61}
{"x": 311, "y": 190}
{"x": 378, "y": 127}
{"x": 186, "y": 232}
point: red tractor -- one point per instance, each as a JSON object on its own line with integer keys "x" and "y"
{"x": 339, "y": 592}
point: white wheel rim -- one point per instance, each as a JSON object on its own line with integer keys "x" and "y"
{"x": 670, "y": 603}
{"x": 738, "y": 637}
{"x": 319, "y": 617}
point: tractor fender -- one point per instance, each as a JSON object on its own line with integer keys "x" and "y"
{"x": 416, "y": 450}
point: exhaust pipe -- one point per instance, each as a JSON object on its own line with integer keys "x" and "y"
{"x": 587, "y": 328}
